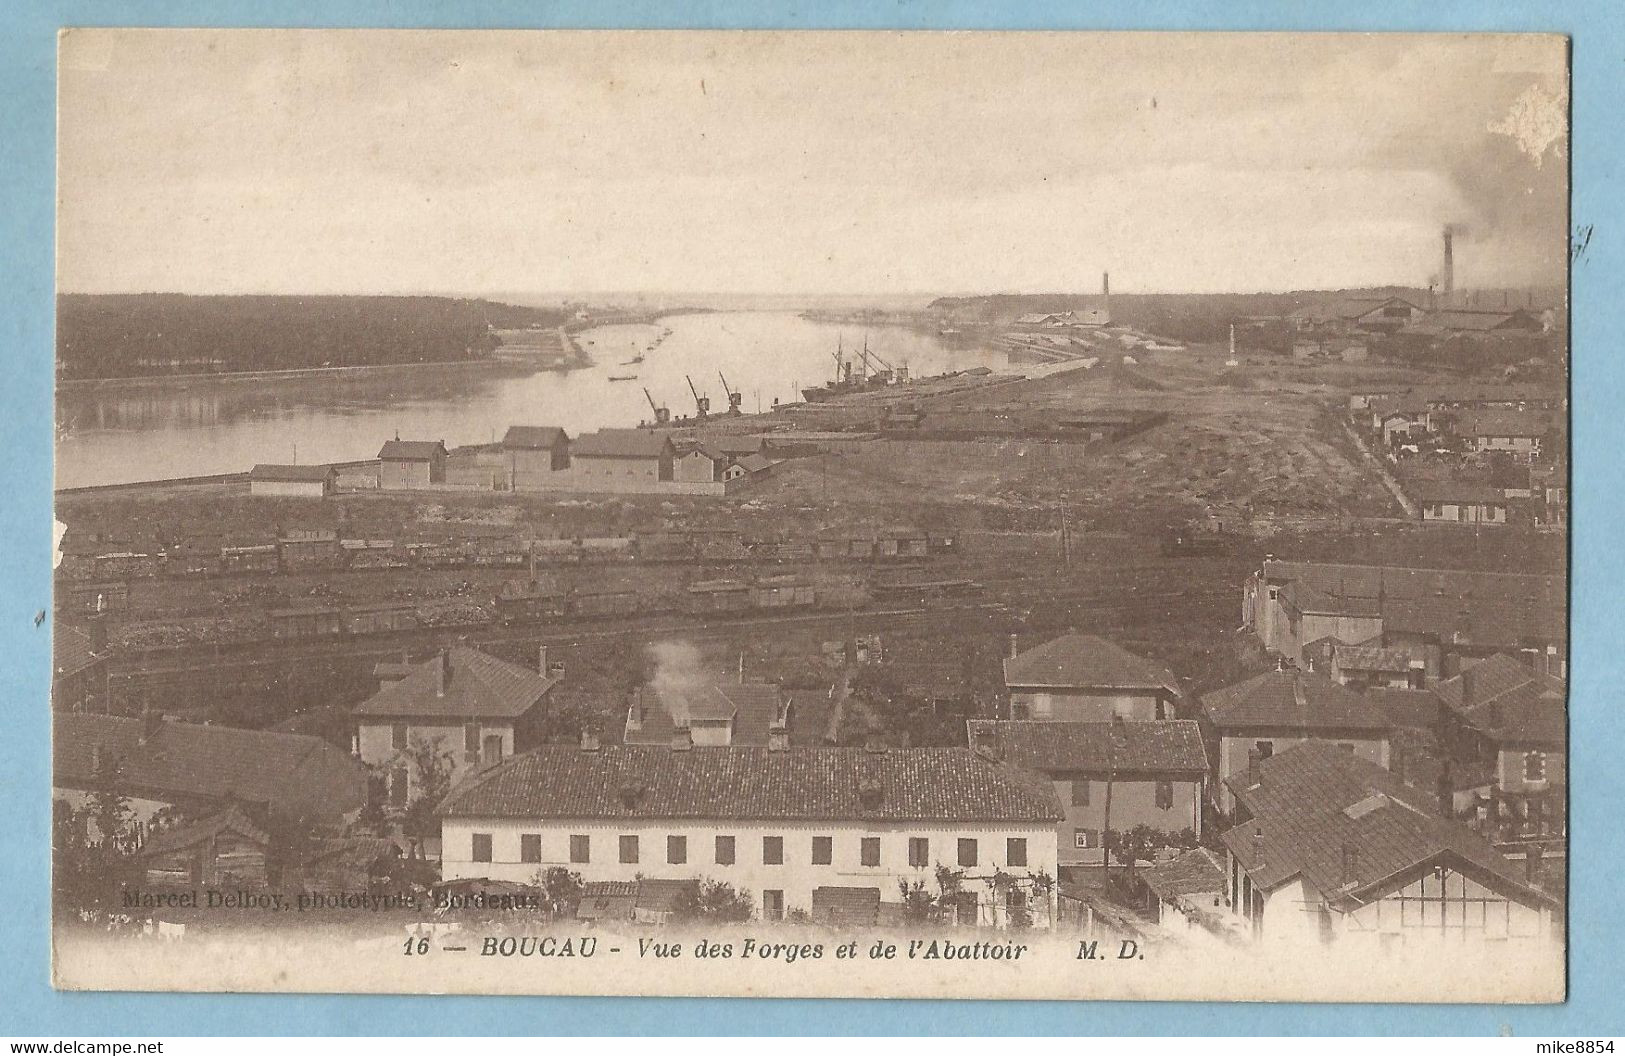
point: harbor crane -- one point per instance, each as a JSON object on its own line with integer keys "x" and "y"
{"x": 735, "y": 398}
{"x": 662, "y": 414}
{"x": 884, "y": 371}
{"x": 702, "y": 404}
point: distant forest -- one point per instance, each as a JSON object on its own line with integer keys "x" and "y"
{"x": 138, "y": 335}
{"x": 1185, "y": 316}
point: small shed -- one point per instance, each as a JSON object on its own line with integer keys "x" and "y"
{"x": 313, "y": 482}
{"x": 225, "y": 848}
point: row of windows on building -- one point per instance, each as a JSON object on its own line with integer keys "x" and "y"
{"x": 471, "y": 737}
{"x": 968, "y": 850}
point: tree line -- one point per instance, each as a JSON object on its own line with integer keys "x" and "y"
{"x": 147, "y": 334}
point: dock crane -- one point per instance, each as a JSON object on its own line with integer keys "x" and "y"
{"x": 735, "y": 399}
{"x": 662, "y": 414}
{"x": 702, "y": 404}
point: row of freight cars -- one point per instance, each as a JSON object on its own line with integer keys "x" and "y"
{"x": 89, "y": 559}
{"x": 531, "y": 601}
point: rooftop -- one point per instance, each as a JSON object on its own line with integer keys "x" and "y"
{"x": 462, "y": 682}
{"x": 621, "y": 443}
{"x": 1509, "y": 701}
{"x": 1371, "y": 658}
{"x": 183, "y": 761}
{"x": 1196, "y": 872}
{"x": 533, "y": 437}
{"x": 71, "y": 650}
{"x": 301, "y": 474}
{"x": 1083, "y": 660}
{"x": 753, "y": 707}
{"x": 1292, "y": 699}
{"x": 411, "y": 450}
{"x": 1491, "y": 608}
{"x": 231, "y": 819}
{"x": 1157, "y": 746}
{"x": 749, "y": 784}
{"x": 1353, "y": 830}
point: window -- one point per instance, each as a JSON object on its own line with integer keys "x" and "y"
{"x": 471, "y": 737}
{"x": 725, "y": 850}
{"x": 1083, "y": 839}
{"x": 1534, "y": 766}
{"x": 823, "y": 850}
{"x": 1346, "y": 746}
{"x": 530, "y": 847}
{"x": 493, "y": 749}
{"x": 1021, "y": 711}
{"x": 871, "y": 850}
{"x": 482, "y": 846}
{"x": 1015, "y": 851}
{"x": 580, "y": 849}
{"x": 967, "y": 852}
{"x": 919, "y": 852}
{"x": 629, "y": 850}
{"x": 397, "y": 735}
{"x": 1165, "y": 795}
{"x": 772, "y": 850}
{"x": 1265, "y": 749}
{"x": 676, "y": 850}
{"x": 772, "y": 905}
{"x": 1080, "y": 793}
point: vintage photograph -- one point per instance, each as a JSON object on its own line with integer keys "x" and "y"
{"x": 985, "y": 515}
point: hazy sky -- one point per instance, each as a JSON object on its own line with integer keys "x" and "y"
{"x": 351, "y": 161}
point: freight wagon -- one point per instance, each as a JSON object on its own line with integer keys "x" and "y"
{"x": 783, "y": 592}
{"x": 715, "y": 596}
{"x": 524, "y": 601}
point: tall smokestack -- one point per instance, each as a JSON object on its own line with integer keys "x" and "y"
{"x": 1447, "y": 277}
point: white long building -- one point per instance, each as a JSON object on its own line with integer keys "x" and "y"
{"x": 796, "y": 829}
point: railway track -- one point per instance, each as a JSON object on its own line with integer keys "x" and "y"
{"x": 178, "y": 663}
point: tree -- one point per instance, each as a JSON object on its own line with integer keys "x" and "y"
{"x": 716, "y": 900}
{"x": 563, "y": 890}
{"x": 919, "y": 905}
{"x": 433, "y": 766}
{"x": 110, "y": 809}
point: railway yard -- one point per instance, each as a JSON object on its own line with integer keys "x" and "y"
{"x": 987, "y": 520}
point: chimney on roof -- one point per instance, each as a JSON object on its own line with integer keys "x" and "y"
{"x": 442, "y": 672}
{"x": 778, "y": 737}
{"x": 1015, "y": 645}
{"x": 682, "y": 739}
{"x": 589, "y": 739}
{"x": 634, "y": 713}
{"x": 541, "y": 659}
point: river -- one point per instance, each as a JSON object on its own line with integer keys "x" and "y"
{"x": 118, "y": 432}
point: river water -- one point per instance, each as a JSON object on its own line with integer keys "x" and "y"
{"x": 118, "y": 432}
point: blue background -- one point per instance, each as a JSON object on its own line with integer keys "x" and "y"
{"x": 27, "y": 123}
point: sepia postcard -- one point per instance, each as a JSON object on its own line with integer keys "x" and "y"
{"x": 922, "y": 514}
